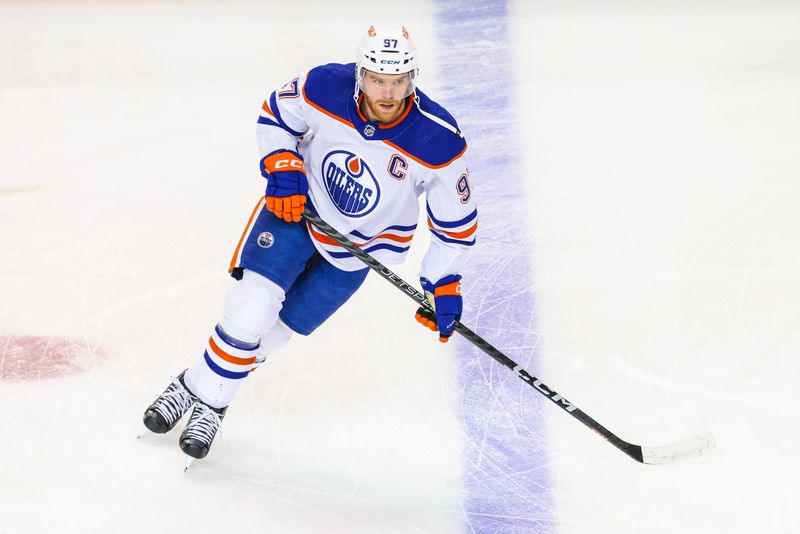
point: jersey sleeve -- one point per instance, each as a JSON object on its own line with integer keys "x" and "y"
{"x": 452, "y": 220}
{"x": 282, "y": 121}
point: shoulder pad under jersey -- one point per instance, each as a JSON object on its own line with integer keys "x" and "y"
{"x": 430, "y": 143}
{"x": 329, "y": 88}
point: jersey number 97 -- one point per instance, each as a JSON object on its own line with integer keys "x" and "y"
{"x": 462, "y": 187}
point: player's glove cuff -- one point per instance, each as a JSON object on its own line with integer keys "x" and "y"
{"x": 281, "y": 161}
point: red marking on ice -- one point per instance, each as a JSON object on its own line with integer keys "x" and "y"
{"x": 25, "y": 358}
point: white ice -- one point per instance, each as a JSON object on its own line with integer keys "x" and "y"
{"x": 660, "y": 147}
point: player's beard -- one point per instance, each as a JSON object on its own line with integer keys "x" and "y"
{"x": 382, "y": 112}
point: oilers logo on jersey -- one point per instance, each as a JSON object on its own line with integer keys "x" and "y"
{"x": 350, "y": 183}
{"x": 368, "y": 186}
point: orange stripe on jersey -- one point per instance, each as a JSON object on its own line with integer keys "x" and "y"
{"x": 324, "y": 239}
{"x": 227, "y": 357}
{"x": 425, "y": 163}
{"x": 458, "y": 235}
{"x": 409, "y": 103}
{"x": 393, "y": 237}
{"x": 266, "y": 108}
{"x": 325, "y": 111}
{"x": 358, "y": 108}
{"x": 247, "y": 229}
{"x": 351, "y": 125}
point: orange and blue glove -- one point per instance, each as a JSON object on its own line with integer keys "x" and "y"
{"x": 445, "y": 297}
{"x": 287, "y": 185}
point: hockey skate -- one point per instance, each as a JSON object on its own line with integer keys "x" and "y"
{"x": 165, "y": 412}
{"x": 201, "y": 429}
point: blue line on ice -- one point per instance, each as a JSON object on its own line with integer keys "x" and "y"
{"x": 506, "y": 475}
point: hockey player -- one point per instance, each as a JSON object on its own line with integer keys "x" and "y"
{"x": 357, "y": 144}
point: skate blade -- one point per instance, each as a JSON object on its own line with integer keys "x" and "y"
{"x": 188, "y": 464}
{"x": 142, "y": 432}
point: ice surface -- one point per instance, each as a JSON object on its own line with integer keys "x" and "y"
{"x": 657, "y": 243}
{"x": 662, "y": 186}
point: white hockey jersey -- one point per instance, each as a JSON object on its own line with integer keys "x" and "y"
{"x": 365, "y": 178}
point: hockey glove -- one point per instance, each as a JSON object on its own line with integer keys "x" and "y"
{"x": 445, "y": 297}
{"x": 287, "y": 185}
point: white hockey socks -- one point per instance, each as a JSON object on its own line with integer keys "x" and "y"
{"x": 250, "y": 311}
{"x": 275, "y": 339}
{"x": 226, "y": 362}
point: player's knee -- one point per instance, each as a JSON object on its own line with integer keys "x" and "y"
{"x": 276, "y": 338}
{"x": 251, "y": 307}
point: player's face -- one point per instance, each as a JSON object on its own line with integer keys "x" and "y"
{"x": 384, "y": 95}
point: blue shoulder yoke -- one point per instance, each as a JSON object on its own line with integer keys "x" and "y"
{"x": 330, "y": 89}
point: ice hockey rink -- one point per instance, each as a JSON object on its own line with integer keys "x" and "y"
{"x": 636, "y": 167}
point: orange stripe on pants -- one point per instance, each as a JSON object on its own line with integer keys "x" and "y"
{"x": 247, "y": 229}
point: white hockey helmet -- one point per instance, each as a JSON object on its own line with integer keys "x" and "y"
{"x": 386, "y": 50}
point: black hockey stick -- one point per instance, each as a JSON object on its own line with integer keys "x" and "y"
{"x": 691, "y": 447}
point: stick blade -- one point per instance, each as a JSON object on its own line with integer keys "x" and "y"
{"x": 687, "y": 449}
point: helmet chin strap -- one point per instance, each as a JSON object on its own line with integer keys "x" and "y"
{"x": 437, "y": 120}
{"x": 356, "y": 91}
{"x": 357, "y": 88}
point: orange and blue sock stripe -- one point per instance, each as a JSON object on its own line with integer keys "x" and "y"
{"x": 229, "y": 357}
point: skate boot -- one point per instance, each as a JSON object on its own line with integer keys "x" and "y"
{"x": 203, "y": 425}
{"x": 165, "y": 412}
